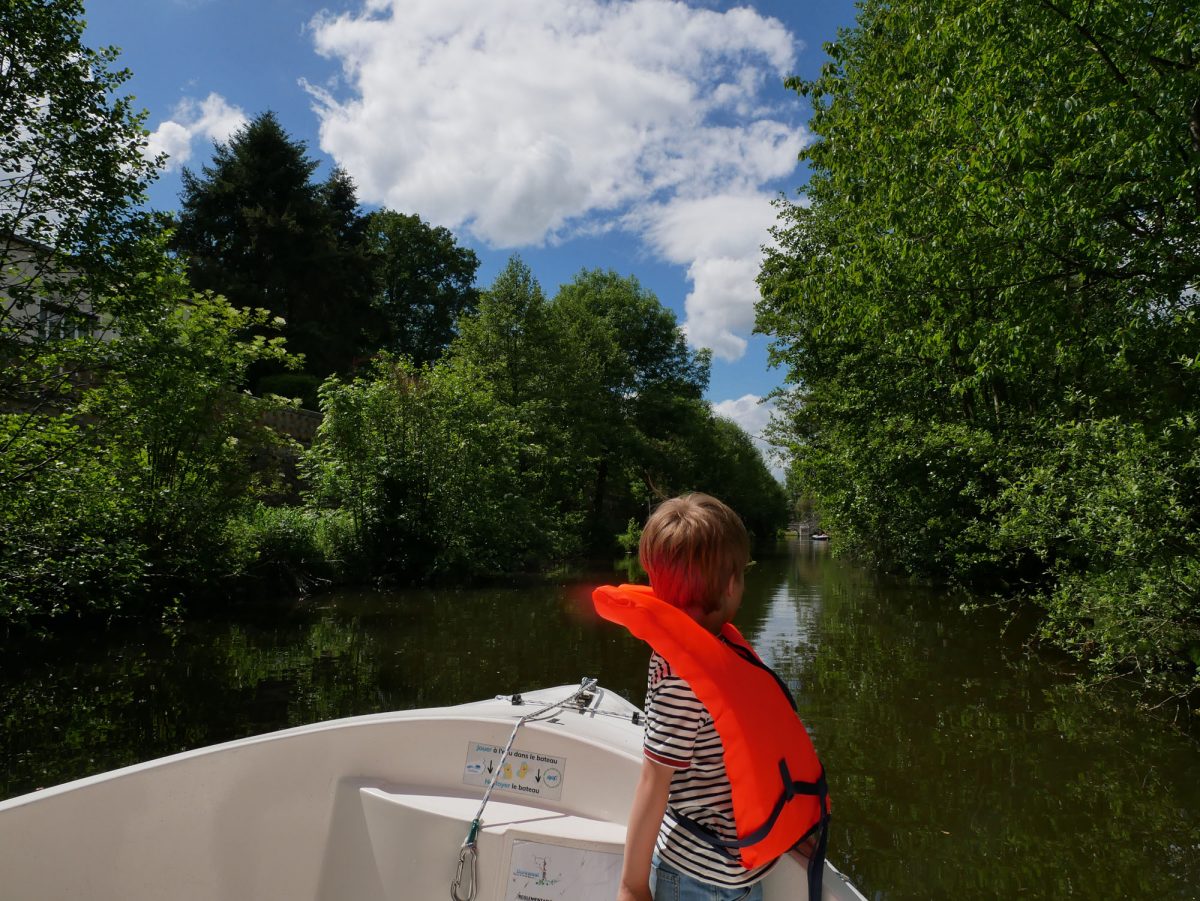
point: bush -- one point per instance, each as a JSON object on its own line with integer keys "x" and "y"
{"x": 303, "y": 545}
{"x": 293, "y": 386}
{"x": 428, "y": 465}
{"x": 1108, "y": 508}
{"x": 122, "y": 500}
{"x": 631, "y": 537}
{"x": 68, "y": 548}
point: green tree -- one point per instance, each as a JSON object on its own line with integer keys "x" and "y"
{"x": 512, "y": 338}
{"x": 427, "y": 461}
{"x": 125, "y": 447}
{"x": 426, "y": 283}
{"x": 189, "y": 446}
{"x": 73, "y": 175}
{"x": 645, "y": 383}
{"x": 124, "y": 499}
{"x": 487, "y": 460}
{"x": 350, "y": 265}
{"x": 738, "y": 473}
{"x": 256, "y": 228}
{"x": 612, "y": 397}
{"x": 72, "y": 178}
{"x": 514, "y": 341}
{"x": 999, "y": 241}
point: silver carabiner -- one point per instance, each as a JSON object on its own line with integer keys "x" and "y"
{"x": 467, "y": 850}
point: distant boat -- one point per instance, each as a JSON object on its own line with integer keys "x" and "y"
{"x": 374, "y": 808}
{"x": 819, "y": 536}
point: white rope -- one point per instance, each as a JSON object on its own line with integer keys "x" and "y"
{"x": 467, "y": 855}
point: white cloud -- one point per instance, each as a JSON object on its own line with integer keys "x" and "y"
{"x": 719, "y": 238}
{"x": 213, "y": 117}
{"x": 527, "y": 121}
{"x": 754, "y": 415}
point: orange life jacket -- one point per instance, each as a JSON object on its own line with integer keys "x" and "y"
{"x": 776, "y": 780}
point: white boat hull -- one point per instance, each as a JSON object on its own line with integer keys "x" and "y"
{"x": 373, "y": 808}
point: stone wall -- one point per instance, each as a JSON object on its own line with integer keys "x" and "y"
{"x": 293, "y": 421}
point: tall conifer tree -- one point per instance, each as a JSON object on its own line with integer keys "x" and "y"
{"x": 257, "y": 228}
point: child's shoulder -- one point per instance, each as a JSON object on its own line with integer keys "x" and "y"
{"x": 658, "y": 670}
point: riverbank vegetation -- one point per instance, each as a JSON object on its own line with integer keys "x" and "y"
{"x": 466, "y": 432}
{"x": 999, "y": 246}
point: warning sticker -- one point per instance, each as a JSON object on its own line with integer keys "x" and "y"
{"x": 523, "y": 772}
{"x": 541, "y": 872}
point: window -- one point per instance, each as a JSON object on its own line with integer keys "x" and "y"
{"x": 58, "y": 324}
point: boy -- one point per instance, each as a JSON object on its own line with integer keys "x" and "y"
{"x": 717, "y": 720}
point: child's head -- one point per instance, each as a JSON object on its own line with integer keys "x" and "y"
{"x": 692, "y": 546}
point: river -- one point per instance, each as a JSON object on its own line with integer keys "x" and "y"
{"x": 960, "y": 766}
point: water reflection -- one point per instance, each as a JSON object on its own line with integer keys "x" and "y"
{"x": 960, "y": 767}
{"x": 90, "y": 703}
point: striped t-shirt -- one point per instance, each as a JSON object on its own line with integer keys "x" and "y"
{"x": 680, "y": 734}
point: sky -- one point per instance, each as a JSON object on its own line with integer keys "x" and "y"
{"x": 644, "y": 136}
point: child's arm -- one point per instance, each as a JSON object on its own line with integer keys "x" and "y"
{"x": 645, "y": 818}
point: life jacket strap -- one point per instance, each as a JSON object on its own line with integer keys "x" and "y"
{"x": 790, "y": 790}
{"x": 816, "y": 860}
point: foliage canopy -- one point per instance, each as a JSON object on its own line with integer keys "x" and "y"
{"x": 256, "y": 227}
{"x": 989, "y": 297}
{"x": 426, "y": 284}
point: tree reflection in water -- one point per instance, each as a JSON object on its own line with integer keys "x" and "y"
{"x": 960, "y": 767}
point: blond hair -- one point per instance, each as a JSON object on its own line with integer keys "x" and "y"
{"x": 691, "y": 547}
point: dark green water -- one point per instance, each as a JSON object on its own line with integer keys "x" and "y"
{"x": 960, "y": 767}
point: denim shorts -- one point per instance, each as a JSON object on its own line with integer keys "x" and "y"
{"x": 668, "y": 884}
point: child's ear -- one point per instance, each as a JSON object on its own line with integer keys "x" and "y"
{"x": 731, "y": 586}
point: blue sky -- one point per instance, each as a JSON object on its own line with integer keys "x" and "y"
{"x": 645, "y": 136}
